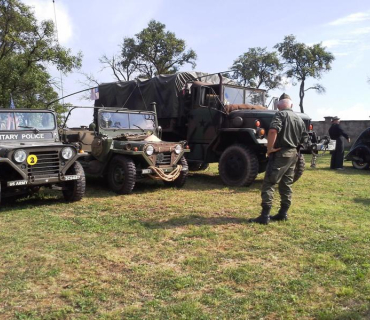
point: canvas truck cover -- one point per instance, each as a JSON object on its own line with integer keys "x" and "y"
{"x": 162, "y": 89}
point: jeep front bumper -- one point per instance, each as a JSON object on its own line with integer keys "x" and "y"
{"x": 42, "y": 181}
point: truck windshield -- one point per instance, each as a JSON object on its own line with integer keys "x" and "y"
{"x": 255, "y": 97}
{"x": 241, "y": 95}
{"x": 21, "y": 121}
{"x": 233, "y": 95}
{"x": 116, "y": 120}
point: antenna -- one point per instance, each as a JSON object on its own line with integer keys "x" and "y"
{"x": 56, "y": 30}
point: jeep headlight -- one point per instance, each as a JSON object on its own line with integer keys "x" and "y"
{"x": 20, "y": 156}
{"x": 178, "y": 149}
{"x": 149, "y": 150}
{"x": 67, "y": 153}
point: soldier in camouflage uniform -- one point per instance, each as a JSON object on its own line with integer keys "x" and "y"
{"x": 287, "y": 131}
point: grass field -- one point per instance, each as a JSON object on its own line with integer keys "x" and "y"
{"x": 163, "y": 253}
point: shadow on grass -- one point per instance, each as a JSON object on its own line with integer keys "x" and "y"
{"x": 198, "y": 181}
{"x": 195, "y": 220}
{"x": 346, "y": 171}
{"x": 364, "y": 201}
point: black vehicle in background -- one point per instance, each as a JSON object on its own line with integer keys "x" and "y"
{"x": 359, "y": 153}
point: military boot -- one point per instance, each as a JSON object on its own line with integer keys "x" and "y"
{"x": 282, "y": 215}
{"x": 264, "y": 218}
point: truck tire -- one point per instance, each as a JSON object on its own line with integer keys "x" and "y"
{"x": 122, "y": 175}
{"x": 181, "y": 179}
{"x": 196, "y": 166}
{"x": 74, "y": 190}
{"x": 299, "y": 168}
{"x": 238, "y": 166}
{"x": 358, "y": 164}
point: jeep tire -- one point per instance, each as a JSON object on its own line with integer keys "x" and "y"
{"x": 181, "y": 179}
{"x": 74, "y": 190}
{"x": 238, "y": 166}
{"x": 121, "y": 174}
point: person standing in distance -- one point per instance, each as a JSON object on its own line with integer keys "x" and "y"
{"x": 336, "y": 133}
{"x": 287, "y": 131}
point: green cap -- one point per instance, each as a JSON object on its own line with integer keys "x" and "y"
{"x": 284, "y": 96}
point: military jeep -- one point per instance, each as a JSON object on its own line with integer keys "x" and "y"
{"x": 124, "y": 146}
{"x": 32, "y": 155}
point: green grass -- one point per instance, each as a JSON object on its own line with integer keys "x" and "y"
{"x": 163, "y": 253}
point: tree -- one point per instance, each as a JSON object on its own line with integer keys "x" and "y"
{"x": 26, "y": 50}
{"x": 303, "y": 62}
{"x": 151, "y": 52}
{"x": 257, "y": 68}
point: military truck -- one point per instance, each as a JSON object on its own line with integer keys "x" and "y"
{"x": 221, "y": 121}
{"x": 32, "y": 156}
{"x": 124, "y": 146}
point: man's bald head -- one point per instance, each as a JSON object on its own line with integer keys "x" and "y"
{"x": 285, "y": 104}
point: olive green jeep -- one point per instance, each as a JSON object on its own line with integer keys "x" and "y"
{"x": 32, "y": 155}
{"x": 124, "y": 146}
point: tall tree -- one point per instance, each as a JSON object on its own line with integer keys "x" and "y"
{"x": 303, "y": 62}
{"x": 258, "y": 68}
{"x": 26, "y": 50}
{"x": 151, "y": 52}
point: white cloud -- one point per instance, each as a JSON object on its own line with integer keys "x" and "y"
{"x": 356, "y": 112}
{"x": 44, "y": 10}
{"x": 361, "y": 31}
{"x": 340, "y": 54}
{"x": 338, "y": 42}
{"x": 352, "y": 18}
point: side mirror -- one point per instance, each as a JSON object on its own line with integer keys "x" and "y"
{"x": 92, "y": 126}
{"x": 159, "y": 132}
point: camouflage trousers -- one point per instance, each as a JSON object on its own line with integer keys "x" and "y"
{"x": 280, "y": 170}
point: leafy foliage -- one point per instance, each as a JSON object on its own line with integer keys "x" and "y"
{"x": 303, "y": 62}
{"x": 151, "y": 52}
{"x": 257, "y": 68}
{"x": 26, "y": 50}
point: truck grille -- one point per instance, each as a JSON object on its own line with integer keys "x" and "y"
{"x": 163, "y": 158}
{"x": 47, "y": 164}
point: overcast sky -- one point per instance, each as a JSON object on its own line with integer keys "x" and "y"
{"x": 219, "y": 31}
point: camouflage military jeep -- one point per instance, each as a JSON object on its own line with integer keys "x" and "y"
{"x": 31, "y": 156}
{"x": 124, "y": 146}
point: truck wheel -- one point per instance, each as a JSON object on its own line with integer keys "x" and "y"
{"x": 299, "y": 168}
{"x": 238, "y": 166}
{"x": 75, "y": 189}
{"x": 181, "y": 179}
{"x": 122, "y": 175}
{"x": 196, "y": 166}
{"x": 358, "y": 164}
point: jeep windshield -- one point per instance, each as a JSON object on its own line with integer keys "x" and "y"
{"x": 21, "y": 121}
{"x": 235, "y": 95}
{"x": 118, "y": 120}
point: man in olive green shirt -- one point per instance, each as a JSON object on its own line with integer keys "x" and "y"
{"x": 287, "y": 131}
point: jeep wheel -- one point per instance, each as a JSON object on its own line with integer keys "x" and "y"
{"x": 358, "y": 164}
{"x": 299, "y": 168}
{"x": 238, "y": 166}
{"x": 74, "y": 190}
{"x": 122, "y": 175}
{"x": 181, "y": 179}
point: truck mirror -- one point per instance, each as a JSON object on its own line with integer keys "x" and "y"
{"x": 92, "y": 126}
{"x": 159, "y": 132}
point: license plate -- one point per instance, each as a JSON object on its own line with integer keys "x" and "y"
{"x": 17, "y": 183}
{"x": 72, "y": 177}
